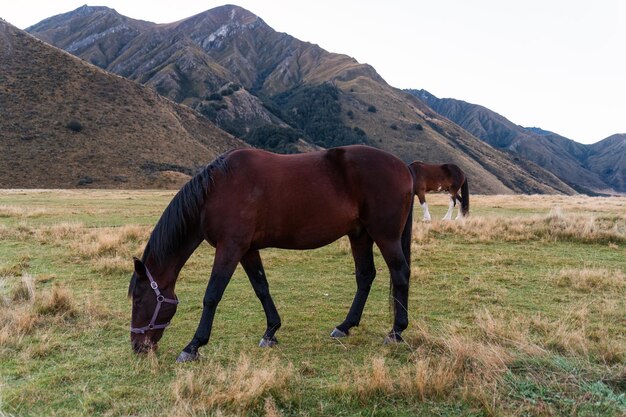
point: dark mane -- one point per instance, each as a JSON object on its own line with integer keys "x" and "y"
{"x": 182, "y": 214}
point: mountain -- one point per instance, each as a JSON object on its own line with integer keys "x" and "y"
{"x": 608, "y": 159}
{"x": 597, "y": 168}
{"x": 66, "y": 124}
{"x": 280, "y": 93}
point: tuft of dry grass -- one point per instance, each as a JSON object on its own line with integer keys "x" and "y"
{"x": 591, "y": 279}
{"x": 16, "y": 269}
{"x": 57, "y": 302}
{"x": 511, "y": 332}
{"x": 566, "y": 335}
{"x": 239, "y": 386}
{"x": 25, "y": 290}
{"x": 15, "y": 323}
{"x": 17, "y": 316}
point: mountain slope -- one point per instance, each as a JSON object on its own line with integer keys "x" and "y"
{"x": 67, "y": 123}
{"x": 577, "y": 164}
{"x": 274, "y": 90}
{"x": 608, "y": 159}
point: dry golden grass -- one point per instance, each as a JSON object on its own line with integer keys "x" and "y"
{"x": 513, "y": 333}
{"x": 579, "y": 203}
{"x": 17, "y": 268}
{"x": 21, "y": 212}
{"x": 25, "y": 290}
{"x": 17, "y": 315}
{"x": 238, "y": 387}
{"x": 591, "y": 279}
{"x": 552, "y": 227}
{"x": 441, "y": 366}
{"x": 15, "y": 323}
{"x": 471, "y": 363}
{"x": 109, "y": 249}
{"x": 56, "y": 302}
{"x": 26, "y": 310}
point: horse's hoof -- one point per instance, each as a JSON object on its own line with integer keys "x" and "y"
{"x": 393, "y": 338}
{"x": 336, "y": 333}
{"x": 268, "y": 343}
{"x": 187, "y": 357}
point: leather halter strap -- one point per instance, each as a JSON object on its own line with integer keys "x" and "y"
{"x": 160, "y": 300}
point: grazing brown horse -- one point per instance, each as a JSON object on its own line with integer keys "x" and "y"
{"x": 445, "y": 177}
{"x": 249, "y": 199}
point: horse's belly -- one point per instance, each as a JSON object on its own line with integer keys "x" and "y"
{"x": 304, "y": 232}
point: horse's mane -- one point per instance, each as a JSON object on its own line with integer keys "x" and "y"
{"x": 182, "y": 214}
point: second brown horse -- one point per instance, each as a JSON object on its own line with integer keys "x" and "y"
{"x": 445, "y": 177}
{"x": 250, "y": 199}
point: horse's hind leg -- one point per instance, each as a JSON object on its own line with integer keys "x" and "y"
{"x": 451, "y": 205}
{"x": 400, "y": 273}
{"x": 421, "y": 195}
{"x": 253, "y": 266}
{"x": 226, "y": 259}
{"x": 459, "y": 215}
{"x": 362, "y": 252}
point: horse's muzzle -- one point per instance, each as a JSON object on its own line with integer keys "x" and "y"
{"x": 143, "y": 346}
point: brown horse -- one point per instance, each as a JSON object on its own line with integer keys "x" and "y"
{"x": 445, "y": 177}
{"x": 249, "y": 199}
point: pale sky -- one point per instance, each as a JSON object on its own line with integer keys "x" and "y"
{"x": 555, "y": 64}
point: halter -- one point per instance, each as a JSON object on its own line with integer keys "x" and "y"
{"x": 160, "y": 300}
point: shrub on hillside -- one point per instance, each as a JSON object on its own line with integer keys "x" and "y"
{"x": 214, "y": 97}
{"x": 275, "y": 138}
{"x": 74, "y": 126}
{"x": 85, "y": 180}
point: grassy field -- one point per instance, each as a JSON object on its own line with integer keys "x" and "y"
{"x": 518, "y": 310}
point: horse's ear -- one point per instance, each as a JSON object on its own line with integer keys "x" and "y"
{"x": 140, "y": 268}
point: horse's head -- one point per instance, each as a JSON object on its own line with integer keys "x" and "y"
{"x": 153, "y": 308}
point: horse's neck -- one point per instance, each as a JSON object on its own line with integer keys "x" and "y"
{"x": 177, "y": 259}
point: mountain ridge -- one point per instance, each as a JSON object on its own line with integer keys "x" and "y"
{"x": 579, "y": 165}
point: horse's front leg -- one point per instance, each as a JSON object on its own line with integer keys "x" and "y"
{"x": 451, "y": 205}
{"x": 226, "y": 259}
{"x": 253, "y": 266}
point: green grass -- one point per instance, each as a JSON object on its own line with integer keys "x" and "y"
{"x": 494, "y": 329}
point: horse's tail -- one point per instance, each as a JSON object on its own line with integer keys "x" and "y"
{"x": 465, "y": 198}
{"x": 407, "y": 234}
